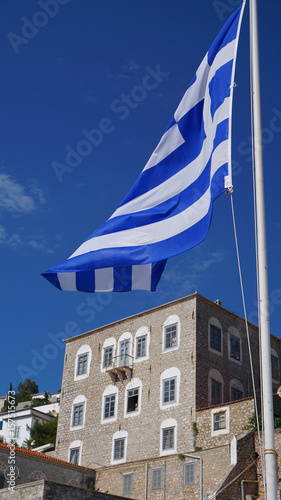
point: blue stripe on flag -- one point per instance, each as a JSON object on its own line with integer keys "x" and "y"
{"x": 178, "y": 159}
{"x": 219, "y": 86}
{"x": 169, "y": 208}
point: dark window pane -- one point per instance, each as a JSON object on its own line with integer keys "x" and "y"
{"x": 215, "y": 338}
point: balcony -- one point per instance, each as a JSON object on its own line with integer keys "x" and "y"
{"x": 121, "y": 367}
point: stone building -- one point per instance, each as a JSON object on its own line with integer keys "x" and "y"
{"x": 145, "y": 399}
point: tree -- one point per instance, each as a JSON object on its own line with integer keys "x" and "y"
{"x": 41, "y": 434}
{"x": 25, "y": 390}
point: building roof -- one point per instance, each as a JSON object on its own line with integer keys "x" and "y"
{"x": 23, "y": 412}
{"x": 162, "y": 306}
{"x": 41, "y": 456}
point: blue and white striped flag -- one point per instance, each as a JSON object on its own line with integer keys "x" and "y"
{"x": 169, "y": 208}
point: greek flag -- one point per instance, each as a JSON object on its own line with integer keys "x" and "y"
{"x": 168, "y": 210}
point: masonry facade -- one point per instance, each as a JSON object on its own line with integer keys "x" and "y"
{"x": 133, "y": 390}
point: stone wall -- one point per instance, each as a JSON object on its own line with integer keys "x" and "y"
{"x": 228, "y": 367}
{"x": 143, "y": 429}
{"x": 33, "y": 466}
{"x": 47, "y": 490}
{"x": 238, "y": 415}
{"x": 219, "y": 474}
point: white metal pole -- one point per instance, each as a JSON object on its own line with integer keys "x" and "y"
{"x": 266, "y": 374}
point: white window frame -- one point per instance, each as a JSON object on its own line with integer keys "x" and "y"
{"x": 167, "y": 424}
{"x": 109, "y": 391}
{"x": 135, "y": 383}
{"x": 170, "y": 321}
{"x": 142, "y": 332}
{"x": 77, "y": 444}
{"x": 16, "y": 432}
{"x": 110, "y": 342}
{"x": 116, "y": 436}
{"x": 233, "y": 332}
{"x": 186, "y": 466}
{"x": 125, "y": 489}
{"x": 126, "y": 336}
{"x": 78, "y": 401}
{"x": 215, "y": 322}
{"x": 86, "y": 356}
{"x": 84, "y": 349}
{"x": 170, "y": 373}
{"x": 218, "y": 410}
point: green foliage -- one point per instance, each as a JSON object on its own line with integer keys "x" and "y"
{"x": 252, "y": 423}
{"x": 195, "y": 433}
{"x": 41, "y": 434}
{"x": 277, "y": 423}
{"x": 25, "y": 390}
{"x": 39, "y": 402}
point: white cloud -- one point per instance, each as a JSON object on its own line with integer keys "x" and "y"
{"x": 18, "y": 199}
{"x": 16, "y": 240}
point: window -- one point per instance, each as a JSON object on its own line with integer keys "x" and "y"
{"x": 156, "y": 483}
{"x": 235, "y": 394}
{"x": 215, "y": 338}
{"x": 16, "y": 432}
{"x": 141, "y": 347}
{"x": 109, "y": 406}
{"x": 1, "y": 425}
{"x": 108, "y": 355}
{"x": 170, "y": 336}
{"x": 219, "y": 421}
{"x": 74, "y": 456}
{"x": 119, "y": 448}
{"x": 132, "y": 400}
{"x": 141, "y": 344}
{"x": 216, "y": 392}
{"x": 77, "y": 416}
{"x": 189, "y": 473}
{"x": 82, "y": 364}
{"x": 169, "y": 390}
{"x": 275, "y": 367}
{"x": 234, "y": 348}
{"x": 168, "y": 438}
{"x": 127, "y": 484}
{"x": 124, "y": 353}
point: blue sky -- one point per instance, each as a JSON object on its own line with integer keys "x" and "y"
{"x": 65, "y": 66}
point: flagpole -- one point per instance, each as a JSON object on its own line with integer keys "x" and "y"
{"x": 265, "y": 347}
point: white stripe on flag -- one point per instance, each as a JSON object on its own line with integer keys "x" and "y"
{"x": 182, "y": 179}
{"x": 166, "y": 235}
{"x": 141, "y": 277}
{"x": 171, "y": 140}
{"x": 67, "y": 281}
{"x": 104, "y": 279}
{"x": 150, "y": 233}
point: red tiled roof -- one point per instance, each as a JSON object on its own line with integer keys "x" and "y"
{"x": 41, "y": 456}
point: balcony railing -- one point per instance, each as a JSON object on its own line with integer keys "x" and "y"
{"x": 121, "y": 367}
